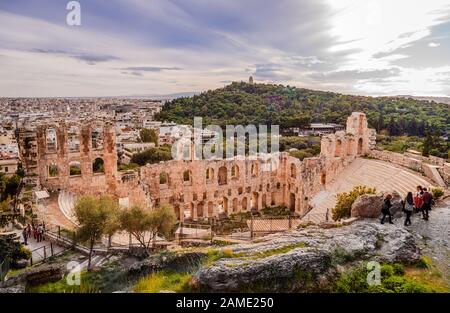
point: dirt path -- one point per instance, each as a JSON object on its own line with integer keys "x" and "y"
{"x": 433, "y": 236}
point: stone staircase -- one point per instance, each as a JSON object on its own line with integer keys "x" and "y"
{"x": 372, "y": 173}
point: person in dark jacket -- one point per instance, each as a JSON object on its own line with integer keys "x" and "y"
{"x": 386, "y": 209}
{"x": 408, "y": 207}
{"x": 427, "y": 199}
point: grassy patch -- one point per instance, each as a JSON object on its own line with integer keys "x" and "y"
{"x": 426, "y": 273}
{"x": 281, "y": 250}
{"x": 395, "y": 278}
{"x": 164, "y": 280}
{"x": 62, "y": 286}
{"x": 108, "y": 278}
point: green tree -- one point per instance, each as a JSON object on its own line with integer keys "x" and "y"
{"x": 145, "y": 225}
{"x": 152, "y": 155}
{"x": 427, "y": 144}
{"x": 96, "y": 217}
{"x": 149, "y": 135}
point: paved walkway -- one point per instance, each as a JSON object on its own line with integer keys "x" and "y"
{"x": 37, "y": 248}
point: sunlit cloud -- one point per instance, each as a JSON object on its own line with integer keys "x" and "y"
{"x": 362, "y": 47}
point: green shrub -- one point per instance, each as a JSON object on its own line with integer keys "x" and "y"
{"x": 345, "y": 200}
{"x": 424, "y": 262}
{"x": 393, "y": 279}
{"x": 437, "y": 193}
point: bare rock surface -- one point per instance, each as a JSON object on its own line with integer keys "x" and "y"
{"x": 369, "y": 206}
{"x": 306, "y": 259}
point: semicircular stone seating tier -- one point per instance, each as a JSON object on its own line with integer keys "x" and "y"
{"x": 66, "y": 203}
{"x": 384, "y": 176}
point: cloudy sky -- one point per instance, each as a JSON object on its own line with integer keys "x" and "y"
{"x": 136, "y": 47}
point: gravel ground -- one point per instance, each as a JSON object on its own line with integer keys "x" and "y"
{"x": 433, "y": 236}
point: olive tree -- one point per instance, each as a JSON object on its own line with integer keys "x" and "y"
{"x": 145, "y": 224}
{"x": 96, "y": 217}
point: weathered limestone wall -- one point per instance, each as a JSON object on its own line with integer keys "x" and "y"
{"x": 429, "y": 166}
{"x": 202, "y": 189}
{"x": 445, "y": 173}
{"x": 55, "y": 157}
{"x": 197, "y": 189}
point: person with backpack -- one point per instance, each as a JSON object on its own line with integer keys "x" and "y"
{"x": 408, "y": 207}
{"x": 418, "y": 201}
{"x": 385, "y": 210}
{"x": 427, "y": 202}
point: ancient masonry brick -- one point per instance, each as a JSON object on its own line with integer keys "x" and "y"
{"x": 197, "y": 189}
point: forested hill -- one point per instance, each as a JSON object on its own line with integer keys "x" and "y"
{"x": 242, "y": 104}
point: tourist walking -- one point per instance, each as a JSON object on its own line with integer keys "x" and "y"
{"x": 386, "y": 209}
{"x": 427, "y": 201}
{"x": 35, "y": 232}
{"x": 40, "y": 232}
{"x": 29, "y": 230}
{"x": 25, "y": 236}
{"x": 418, "y": 200}
{"x": 408, "y": 207}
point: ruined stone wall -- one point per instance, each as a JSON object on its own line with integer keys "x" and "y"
{"x": 55, "y": 158}
{"x": 427, "y": 166}
{"x": 356, "y": 140}
{"x": 197, "y": 189}
{"x": 445, "y": 173}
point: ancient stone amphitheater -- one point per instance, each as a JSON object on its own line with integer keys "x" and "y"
{"x": 204, "y": 189}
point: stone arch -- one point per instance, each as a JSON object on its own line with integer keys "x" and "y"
{"x": 97, "y": 137}
{"x": 225, "y": 206}
{"x": 209, "y": 174}
{"x": 254, "y": 169}
{"x": 254, "y": 202}
{"x": 74, "y": 168}
{"x": 200, "y": 209}
{"x": 338, "y": 149}
{"x": 244, "y": 204}
{"x": 293, "y": 170}
{"x": 235, "y": 171}
{"x": 187, "y": 177}
{"x": 188, "y": 212}
{"x": 51, "y": 140}
{"x": 163, "y": 178}
{"x": 210, "y": 209}
{"x": 360, "y": 146}
{"x": 264, "y": 201}
{"x": 235, "y": 205}
{"x": 323, "y": 178}
{"x": 350, "y": 144}
{"x": 53, "y": 170}
{"x": 292, "y": 202}
{"x": 272, "y": 199}
{"x": 73, "y": 138}
{"x": 223, "y": 175}
{"x": 98, "y": 166}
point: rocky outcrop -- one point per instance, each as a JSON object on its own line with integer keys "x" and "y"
{"x": 173, "y": 261}
{"x": 369, "y": 206}
{"x": 305, "y": 260}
